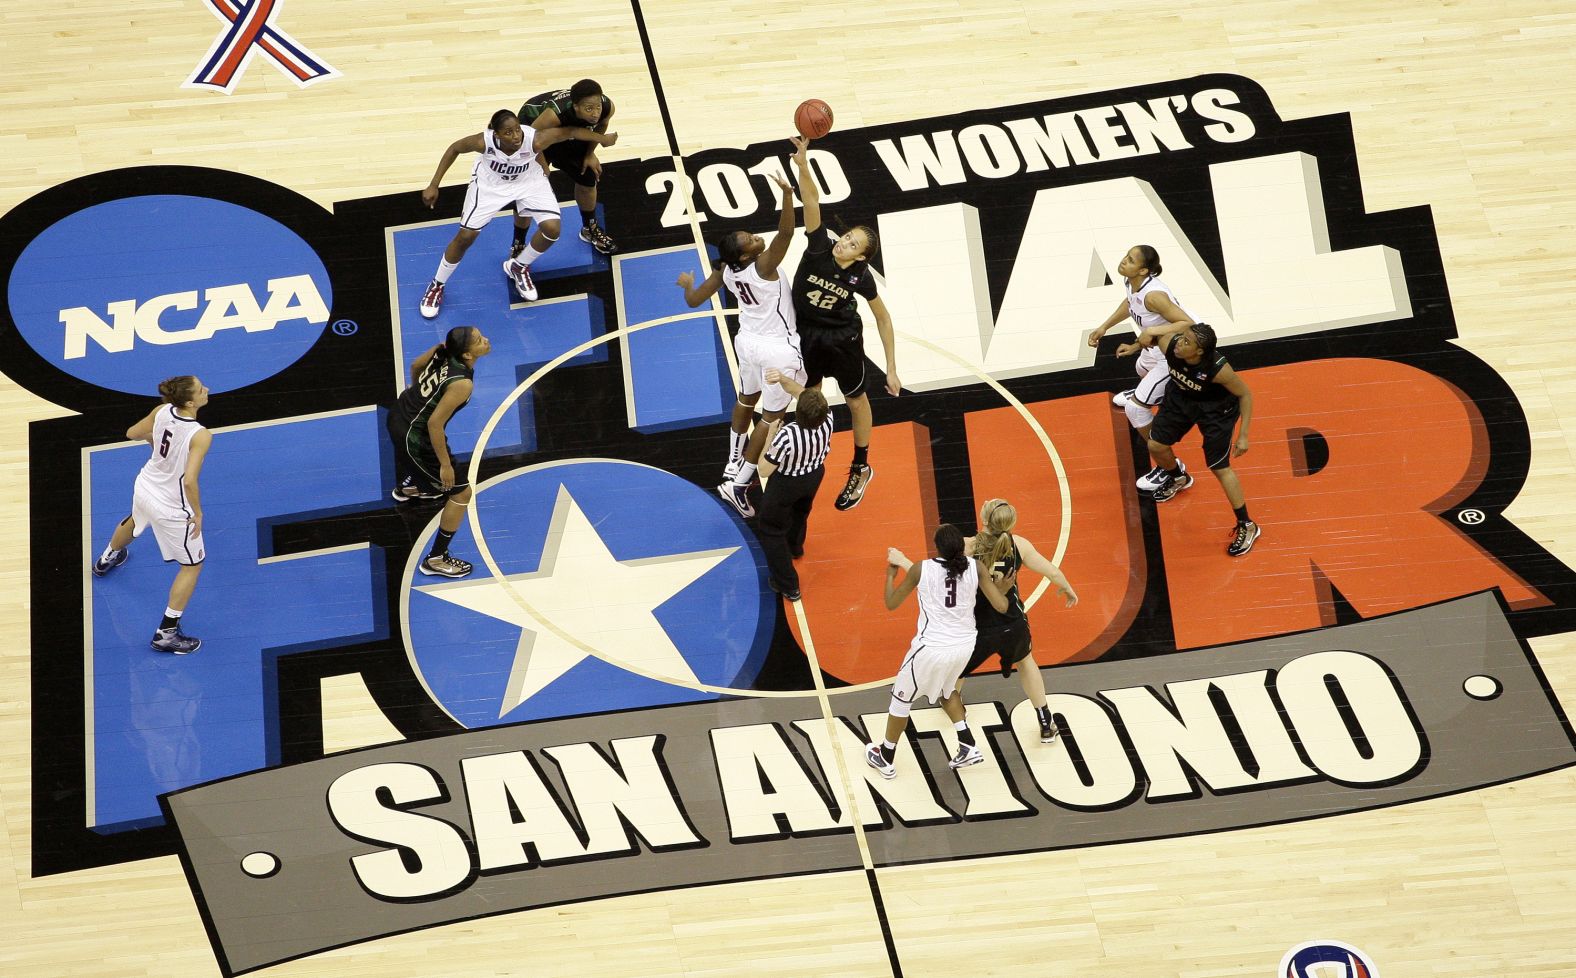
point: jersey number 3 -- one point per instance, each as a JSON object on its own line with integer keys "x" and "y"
{"x": 952, "y": 592}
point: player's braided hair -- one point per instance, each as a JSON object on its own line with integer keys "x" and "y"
{"x": 499, "y": 118}
{"x": 179, "y": 390}
{"x": 949, "y": 544}
{"x": 994, "y": 540}
{"x": 1205, "y": 333}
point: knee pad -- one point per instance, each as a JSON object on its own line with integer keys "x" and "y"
{"x": 899, "y": 708}
{"x": 1138, "y": 415}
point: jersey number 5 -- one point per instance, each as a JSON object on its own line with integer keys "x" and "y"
{"x": 164, "y": 444}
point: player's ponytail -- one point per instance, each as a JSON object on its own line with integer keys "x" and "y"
{"x": 949, "y": 544}
{"x": 993, "y": 543}
{"x": 1151, "y": 258}
{"x": 179, "y": 390}
{"x": 457, "y": 342}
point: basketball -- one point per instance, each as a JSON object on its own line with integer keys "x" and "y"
{"x": 813, "y": 118}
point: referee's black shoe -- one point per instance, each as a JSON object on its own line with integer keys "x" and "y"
{"x": 791, "y": 593}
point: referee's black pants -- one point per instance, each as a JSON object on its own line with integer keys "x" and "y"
{"x": 785, "y": 518}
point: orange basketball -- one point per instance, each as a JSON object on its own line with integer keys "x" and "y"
{"x": 813, "y": 118}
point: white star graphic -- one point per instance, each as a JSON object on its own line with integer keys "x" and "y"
{"x": 599, "y": 601}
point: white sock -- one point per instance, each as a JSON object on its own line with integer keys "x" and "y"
{"x": 444, "y": 270}
{"x": 108, "y": 553}
{"x": 527, "y": 256}
{"x": 746, "y": 473}
{"x": 736, "y": 442}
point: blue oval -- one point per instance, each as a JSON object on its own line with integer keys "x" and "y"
{"x": 126, "y": 293}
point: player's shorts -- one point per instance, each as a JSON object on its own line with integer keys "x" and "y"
{"x": 1009, "y": 639}
{"x": 835, "y": 353}
{"x": 569, "y": 156}
{"x": 416, "y": 464}
{"x": 171, "y": 527}
{"x": 1155, "y": 377}
{"x": 756, "y": 355}
{"x": 1216, "y": 420}
{"x": 930, "y": 671}
{"x": 529, "y": 193}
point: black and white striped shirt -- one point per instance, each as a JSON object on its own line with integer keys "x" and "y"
{"x": 800, "y": 451}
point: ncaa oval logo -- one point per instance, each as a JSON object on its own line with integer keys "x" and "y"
{"x": 1326, "y": 959}
{"x": 130, "y": 291}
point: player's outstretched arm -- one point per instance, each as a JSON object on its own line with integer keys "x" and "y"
{"x": 465, "y": 144}
{"x": 1037, "y": 562}
{"x": 894, "y": 385}
{"x": 550, "y": 137}
{"x": 693, "y": 296}
{"x": 773, "y": 256}
{"x": 808, "y": 191}
{"x": 787, "y": 383}
{"x": 896, "y": 590}
{"x": 143, "y": 430}
{"x": 1110, "y": 321}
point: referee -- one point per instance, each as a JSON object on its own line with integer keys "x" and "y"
{"x": 799, "y": 452}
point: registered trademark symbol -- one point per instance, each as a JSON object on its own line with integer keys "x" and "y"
{"x": 345, "y": 327}
{"x": 1471, "y": 517}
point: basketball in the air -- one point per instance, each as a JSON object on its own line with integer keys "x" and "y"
{"x": 813, "y": 118}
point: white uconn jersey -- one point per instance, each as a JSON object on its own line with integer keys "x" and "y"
{"x": 495, "y": 166}
{"x": 765, "y": 308}
{"x": 946, "y": 605}
{"x": 1142, "y": 317}
{"x": 160, "y": 478}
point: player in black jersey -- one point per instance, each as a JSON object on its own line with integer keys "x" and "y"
{"x": 1006, "y": 634}
{"x": 440, "y": 385}
{"x": 1206, "y": 392}
{"x": 583, "y": 105}
{"x": 830, "y": 277}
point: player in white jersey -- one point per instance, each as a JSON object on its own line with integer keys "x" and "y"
{"x": 1149, "y": 303}
{"x": 166, "y": 498}
{"x": 768, "y": 340}
{"x": 947, "y": 586}
{"x": 508, "y": 172}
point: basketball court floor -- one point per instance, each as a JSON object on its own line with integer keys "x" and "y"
{"x": 612, "y": 749}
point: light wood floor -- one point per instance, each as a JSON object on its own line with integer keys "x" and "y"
{"x": 1458, "y": 106}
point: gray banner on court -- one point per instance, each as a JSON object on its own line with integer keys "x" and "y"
{"x": 1268, "y": 731}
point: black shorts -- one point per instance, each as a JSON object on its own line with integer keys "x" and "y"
{"x": 1010, "y": 640}
{"x": 835, "y": 353}
{"x": 1216, "y": 420}
{"x": 417, "y": 462}
{"x": 570, "y": 157}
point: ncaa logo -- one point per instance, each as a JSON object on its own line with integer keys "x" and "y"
{"x": 1326, "y": 959}
{"x": 239, "y": 295}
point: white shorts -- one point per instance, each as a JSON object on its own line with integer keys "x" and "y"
{"x": 171, "y": 528}
{"x": 757, "y": 354}
{"x": 930, "y": 671}
{"x": 530, "y": 193}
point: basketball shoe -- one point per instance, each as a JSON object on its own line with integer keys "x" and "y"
{"x": 967, "y": 754}
{"x": 520, "y": 275}
{"x": 859, "y": 477}
{"x": 1172, "y": 485}
{"x": 593, "y": 235}
{"x": 445, "y": 565}
{"x": 874, "y": 759}
{"x": 174, "y": 641}
{"x": 1242, "y": 538}
{"x": 116, "y": 558}
{"x": 432, "y": 299}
